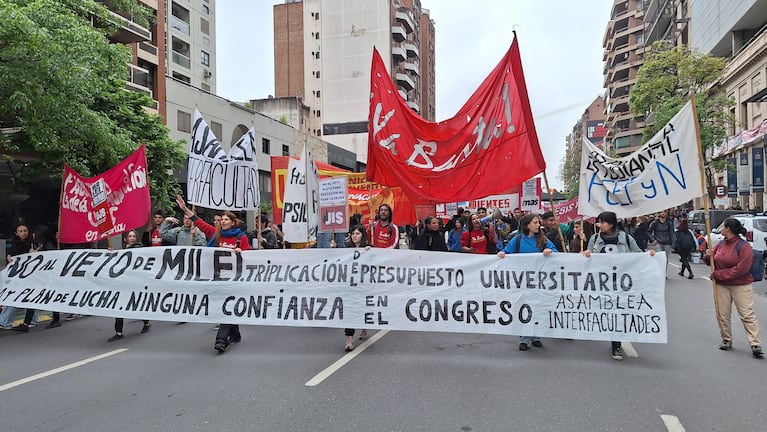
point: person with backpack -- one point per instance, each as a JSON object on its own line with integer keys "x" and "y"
{"x": 732, "y": 261}
{"x": 228, "y": 235}
{"x": 685, "y": 244}
{"x": 610, "y": 239}
{"x": 529, "y": 240}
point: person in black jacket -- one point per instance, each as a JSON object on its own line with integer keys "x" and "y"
{"x": 22, "y": 244}
{"x": 431, "y": 238}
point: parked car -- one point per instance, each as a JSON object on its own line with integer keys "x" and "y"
{"x": 697, "y": 219}
{"x": 756, "y": 227}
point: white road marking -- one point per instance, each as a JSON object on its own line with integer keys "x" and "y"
{"x": 629, "y": 349}
{"x": 672, "y": 423}
{"x": 345, "y": 359}
{"x": 42, "y": 375}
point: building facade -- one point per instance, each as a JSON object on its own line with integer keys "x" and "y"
{"x": 323, "y": 55}
{"x": 590, "y": 126}
{"x": 191, "y": 39}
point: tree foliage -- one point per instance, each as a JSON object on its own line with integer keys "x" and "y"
{"x": 663, "y": 85}
{"x": 62, "y": 92}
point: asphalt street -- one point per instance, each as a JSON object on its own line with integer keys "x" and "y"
{"x": 300, "y": 379}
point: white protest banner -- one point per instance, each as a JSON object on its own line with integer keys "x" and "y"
{"x": 334, "y": 209}
{"x": 300, "y": 211}
{"x": 662, "y": 174}
{"x": 604, "y": 297}
{"x": 530, "y": 201}
{"x": 503, "y": 202}
{"x": 217, "y": 180}
{"x": 333, "y": 191}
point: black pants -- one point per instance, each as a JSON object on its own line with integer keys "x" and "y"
{"x": 349, "y": 332}
{"x": 31, "y": 314}
{"x": 228, "y": 333}
{"x": 119, "y": 324}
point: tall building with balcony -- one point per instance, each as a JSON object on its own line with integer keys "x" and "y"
{"x": 667, "y": 20}
{"x": 191, "y": 38}
{"x": 147, "y": 67}
{"x": 623, "y": 44}
{"x": 323, "y": 50}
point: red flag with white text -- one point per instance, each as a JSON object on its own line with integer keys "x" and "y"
{"x": 490, "y": 146}
{"x": 126, "y": 189}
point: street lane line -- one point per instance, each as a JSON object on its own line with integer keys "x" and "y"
{"x": 629, "y": 349}
{"x": 345, "y": 359}
{"x": 42, "y": 375}
{"x": 672, "y": 423}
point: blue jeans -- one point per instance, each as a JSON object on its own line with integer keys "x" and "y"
{"x": 7, "y": 315}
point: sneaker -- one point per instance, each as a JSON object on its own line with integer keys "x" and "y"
{"x": 6, "y": 327}
{"x": 53, "y": 324}
{"x": 217, "y": 326}
{"x": 220, "y": 346}
{"x": 21, "y": 328}
{"x": 116, "y": 337}
{"x": 617, "y": 353}
{"x": 756, "y": 350}
{"x": 537, "y": 344}
{"x": 236, "y": 340}
{"x": 725, "y": 345}
{"x": 32, "y": 325}
{"x": 146, "y": 328}
{"x": 69, "y": 317}
{"x": 523, "y": 346}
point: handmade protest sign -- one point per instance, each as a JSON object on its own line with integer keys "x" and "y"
{"x": 663, "y": 173}
{"x": 217, "y": 180}
{"x": 616, "y": 297}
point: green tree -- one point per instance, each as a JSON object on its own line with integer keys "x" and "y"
{"x": 663, "y": 85}
{"x": 63, "y": 97}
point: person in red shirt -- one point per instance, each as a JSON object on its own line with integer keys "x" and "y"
{"x": 385, "y": 233}
{"x": 474, "y": 239}
{"x": 151, "y": 236}
{"x": 228, "y": 235}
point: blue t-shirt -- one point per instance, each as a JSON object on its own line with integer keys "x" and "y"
{"x": 528, "y": 245}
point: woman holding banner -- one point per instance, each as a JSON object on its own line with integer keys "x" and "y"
{"x": 131, "y": 241}
{"x": 733, "y": 257}
{"x": 609, "y": 239}
{"x": 530, "y": 239}
{"x": 358, "y": 238}
{"x": 228, "y": 235}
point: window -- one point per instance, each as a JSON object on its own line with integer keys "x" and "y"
{"x": 318, "y": 94}
{"x": 265, "y": 146}
{"x": 182, "y": 77}
{"x": 318, "y": 113}
{"x": 264, "y": 181}
{"x": 216, "y": 128}
{"x": 317, "y": 55}
{"x": 204, "y": 26}
{"x": 205, "y": 87}
{"x": 205, "y": 9}
{"x": 204, "y": 58}
{"x": 184, "y": 120}
{"x": 317, "y": 35}
{"x": 285, "y": 150}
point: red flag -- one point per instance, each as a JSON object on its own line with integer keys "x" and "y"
{"x": 126, "y": 188}
{"x": 489, "y": 147}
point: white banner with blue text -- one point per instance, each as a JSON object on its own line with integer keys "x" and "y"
{"x": 663, "y": 173}
{"x": 605, "y": 297}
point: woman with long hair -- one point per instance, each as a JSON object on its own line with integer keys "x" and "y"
{"x": 530, "y": 239}
{"x": 228, "y": 235}
{"x": 131, "y": 241}
{"x": 476, "y": 239}
{"x": 684, "y": 244}
{"x": 733, "y": 258}
{"x": 22, "y": 243}
{"x": 358, "y": 238}
{"x": 454, "y": 236}
{"x": 611, "y": 239}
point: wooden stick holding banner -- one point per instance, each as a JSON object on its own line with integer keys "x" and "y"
{"x": 61, "y": 200}
{"x": 554, "y": 208}
{"x": 258, "y": 230}
{"x": 705, "y": 201}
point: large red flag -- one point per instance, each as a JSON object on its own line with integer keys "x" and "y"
{"x": 489, "y": 147}
{"x": 126, "y": 187}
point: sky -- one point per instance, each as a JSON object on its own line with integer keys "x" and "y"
{"x": 560, "y": 43}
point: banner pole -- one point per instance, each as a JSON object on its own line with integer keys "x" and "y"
{"x": 705, "y": 200}
{"x": 370, "y": 208}
{"x": 554, "y": 210}
{"x": 258, "y": 229}
{"x": 61, "y": 202}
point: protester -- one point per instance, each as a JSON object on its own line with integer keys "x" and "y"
{"x": 661, "y": 234}
{"x": 609, "y": 239}
{"x": 431, "y": 238}
{"x": 476, "y": 239}
{"x": 552, "y": 229}
{"x": 684, "y": 244}
{"x": 582, "y": 232}
{"x": 385, "y": 232}
{"x": 152, "y": 236}
{"x": 733, "y": 257}
{"x": 529, "y": 240}
{"x": 358, "y": 238}
{"x": 642, "y": 225}
{"x": 22, "y": 243}
{"x": 230, "y": 236}
{"x": 184, "y": 235}
{"x": 268, "y": 234}
{"x": 454, "y": 236}
{"x": 131, "y": 241}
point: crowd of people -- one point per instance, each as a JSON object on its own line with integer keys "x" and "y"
{"x": 481, "y": 232}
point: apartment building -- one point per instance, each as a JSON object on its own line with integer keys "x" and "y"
{"x": 191, "y": 38}
{"x": 323, "y": 55}
{"x": 737, "y": 31}
{"x": 623, "y": 43}
{"x": 590, "y": 126}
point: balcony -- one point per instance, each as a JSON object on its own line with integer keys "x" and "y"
{"x": 147, "y": 51}
{"x": 411, "y": 49}
{"x": 406, "y": 20}
{"x": 181, "y": 60}
{"x": 402, "y": 93}
{"x": 128, "y": 31}
{"x": 139, "y": 80}
{"x": 414, "y": 106}
{"x": 179, "y": 24}
{"x": 398, "y": 33}
{"x": 412, "y": 66}
{"x": 405, "y": 81}
{"x": 398, "y": 53}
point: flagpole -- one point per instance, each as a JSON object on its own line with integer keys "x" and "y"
{"x": 705, "y": 200}
{"x": 61, "y": 202}
{"x": 554, "y": 210}
{"x": 307, "y": 163}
